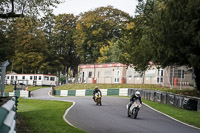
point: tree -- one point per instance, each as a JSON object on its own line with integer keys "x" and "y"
{"x": 19, "y": 8}
{"x": 177, "y": 37}
{"x": 167, "y": 33}
{"x": 48, "y": 23}
{"x": 5, "y": 47}
{"x": 95, "y": 29}
{"x": 64, "y": 46}
{"x": 30, "y": 46}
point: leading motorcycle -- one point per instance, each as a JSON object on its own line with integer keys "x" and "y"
{"x": 97, "y": 98}
{"x": 134, "y": 109}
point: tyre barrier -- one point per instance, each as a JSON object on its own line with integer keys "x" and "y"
{"x": 180, "y": 101}
{"x": 8, "y": 116}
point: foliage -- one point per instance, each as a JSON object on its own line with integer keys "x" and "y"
{"x": 19, "y": 8}
{"x": 95, "y": 29}
{"x": 166, "y": 32}
{"x": 64, "y": 47}
{"x": 30, "y": 46}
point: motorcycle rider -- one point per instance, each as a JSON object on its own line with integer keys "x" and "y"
{"x": 96, "y": 90}
{"x": 133, "y": 98}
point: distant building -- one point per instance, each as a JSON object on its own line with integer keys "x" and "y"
{"x": 32, "y": 79}
{"x": 112, "y": 73}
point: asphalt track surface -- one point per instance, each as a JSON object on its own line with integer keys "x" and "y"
{"x": 111, "y": 117}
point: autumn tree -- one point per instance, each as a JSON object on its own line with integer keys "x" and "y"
{"x": 95, "y": 29}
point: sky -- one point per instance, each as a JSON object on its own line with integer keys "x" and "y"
{"x": 77, "y": 6}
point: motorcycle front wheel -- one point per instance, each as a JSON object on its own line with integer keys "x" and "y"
{"x": 135, "y": 113}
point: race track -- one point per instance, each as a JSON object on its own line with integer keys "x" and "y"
{"x": 111, "y": 117}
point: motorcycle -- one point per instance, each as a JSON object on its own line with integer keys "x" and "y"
{"x": 134, "y": 109}
{"x": 98, "y": 98}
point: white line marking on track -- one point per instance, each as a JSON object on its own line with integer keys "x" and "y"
{"x": 66, "y": 112}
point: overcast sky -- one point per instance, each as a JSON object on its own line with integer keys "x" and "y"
{"x": 78, "y": 6}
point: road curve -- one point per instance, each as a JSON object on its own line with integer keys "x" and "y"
{"x": 111, "y": 117}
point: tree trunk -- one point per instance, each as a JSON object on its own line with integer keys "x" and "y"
{"x": 197, "y": 78}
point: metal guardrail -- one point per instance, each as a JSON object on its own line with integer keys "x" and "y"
{"x": 8, "y": 116}
{"x": 3, "y": 75}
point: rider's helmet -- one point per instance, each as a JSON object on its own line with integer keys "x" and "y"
{"x": 96, "y": 87}
{"x": 137, "y": 94}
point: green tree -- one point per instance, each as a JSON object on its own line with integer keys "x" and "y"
{"x": 48, "y": 22}
{"x": 65, "y": 25}
{"x": 165, "y": 32}
{"x": 6, "y": 49}
{"x": 177, "y": 38}
{"x": 30, "y": 46}
{"x": 95, "y": 29}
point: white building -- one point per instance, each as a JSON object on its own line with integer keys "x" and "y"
{"x": 32, "y": 79}
{"x": 119, "y": 73}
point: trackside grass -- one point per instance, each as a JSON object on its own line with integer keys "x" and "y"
{"x": 188, "y": 92}
{"x": 42, "y": 116}
{"x": 10, "y": 88}
{"x": 186, "y": 116}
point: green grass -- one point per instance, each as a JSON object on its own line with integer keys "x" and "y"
{"x": 10, "y": 88}
{"x": 186, "y": 116}
{"x": 42, "y": 116}
{"x": 188, "y": 92}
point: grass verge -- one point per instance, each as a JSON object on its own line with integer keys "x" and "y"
{"x": 187, "y": 92}
{"x": 41, "y": 116}
{"x": 10, "y": 88}
{"x": 186, "y": 116}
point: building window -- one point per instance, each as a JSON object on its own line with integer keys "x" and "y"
{"x": 15, "y": 77}
{"x": 137, "y": 74}
{"x": 40, "y": 78}
{"x": 23, "y": 77}
{"x": 35, "y": 77}
{"x": 107, "y": 74}
{"x": 129, "y": 74}
{"x": 90, "y": 75}
{"x": 181, "y": 74}
{"x": 151, "y": 73}
{"x": 31, "y": 77}
{"x": 52, "y": 78}
{"x": 12, "y": 77}
{"x": 8, "y": 77}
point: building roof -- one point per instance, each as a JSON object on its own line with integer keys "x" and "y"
{"x": 101, "y": 65}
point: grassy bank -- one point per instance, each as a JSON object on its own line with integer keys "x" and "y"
{"x": 10, "y": 88}
{"x": 186, "y": 116}
{"x": 39, "y": 116}
{"x": 188, "y": 92}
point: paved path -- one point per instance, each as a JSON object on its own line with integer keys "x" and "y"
{"x": 111, "y": 117}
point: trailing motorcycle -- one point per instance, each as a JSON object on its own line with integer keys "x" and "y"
{"x": 134, "y": 109}
{"x": 97, "y": 98}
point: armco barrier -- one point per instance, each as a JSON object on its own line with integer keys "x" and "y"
{"x": 180, "y": 101}
{"x": 8, "y": 116}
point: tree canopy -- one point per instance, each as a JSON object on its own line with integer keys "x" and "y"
{"x": 19, "y": 8}
{"x": 95, "y": 29}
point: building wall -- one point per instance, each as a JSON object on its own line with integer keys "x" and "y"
{"x": 119, "y": 73}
